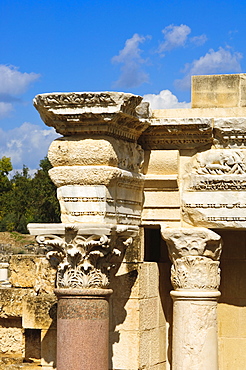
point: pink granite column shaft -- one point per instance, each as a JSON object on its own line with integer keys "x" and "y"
{"x": 82, "y": 329}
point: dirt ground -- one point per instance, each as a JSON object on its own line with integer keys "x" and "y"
{"x": 15, "y": 243}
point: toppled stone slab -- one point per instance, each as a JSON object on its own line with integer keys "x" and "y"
{"x": 30, "y": 271}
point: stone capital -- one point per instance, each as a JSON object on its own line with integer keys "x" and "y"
{"x": 84, "y": 255}
{"x": 195, "y": 254}
{"x": 197, "y": 241}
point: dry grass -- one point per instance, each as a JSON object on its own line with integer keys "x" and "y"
{"x": 15, "y": 243}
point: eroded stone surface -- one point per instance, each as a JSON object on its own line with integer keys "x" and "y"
{"x": 109, "y": 113}
{"x": 30, "y": 271}
{"x": 217, "y": 170}
{"x": 39, "y": 312}
{"x": 85, "y": 261}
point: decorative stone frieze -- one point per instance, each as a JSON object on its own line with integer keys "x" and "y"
{"x": 230, "y": 132}
{"x": 177, "y": 133}
{"x": 223, "y": 171}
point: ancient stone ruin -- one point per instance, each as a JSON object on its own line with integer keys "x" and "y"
{"x": 146, "y": 270}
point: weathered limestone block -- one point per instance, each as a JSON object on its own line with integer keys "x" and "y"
{"x": 84, "y": 151}
{"x": 39, "y": 312}
{"x": 223, "y": 171}
{"x": 30, "y": 271}
{"x": 219, "y": 91}
{"x": 114, "y": 197}
{"x": 11, "y": 339}
{"x": 161, "y": 191}
{"x": 97, "y": 163}
{"x": 11, "y": 301}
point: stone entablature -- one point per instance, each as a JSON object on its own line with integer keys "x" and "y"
{"x": 120, "y": 115}
{"x": 96, "y": 166}
{"x": 177, "y": 133}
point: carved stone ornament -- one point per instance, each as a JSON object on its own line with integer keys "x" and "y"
{"x": 85, "y": 261}
{"x": 177, "y": 133}
{"x": 230, "y": 132}
{"x": 195, "y": 273}
{"x": 114, "y": 114}
{"x": 199, "y": 241}
{"x": 195, "y": 253}
{"x": 223, "y": 171}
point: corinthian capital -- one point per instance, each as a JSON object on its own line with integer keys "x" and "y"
{"x": 195, "y": 253}
{"x": 84, "y": 259}
{"x": 197, "y": 241}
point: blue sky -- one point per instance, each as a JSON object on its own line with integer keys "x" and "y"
{"x": 146, "y": 47}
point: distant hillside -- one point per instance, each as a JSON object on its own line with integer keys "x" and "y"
{"x": 15, "y": 243}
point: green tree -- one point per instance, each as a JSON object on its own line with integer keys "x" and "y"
{"x": 47, "y": 207}
{"x": 5, "y": 168}
{"x": 28, "y": 199}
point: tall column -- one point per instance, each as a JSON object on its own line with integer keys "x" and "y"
{"x": 195, "y": 276}
{"x": 96, "y": 167}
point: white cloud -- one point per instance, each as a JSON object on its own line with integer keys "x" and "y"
{"x": 164, "y": 100}
{"x": 12, "y": 83}
{"x": 174, "y": 37}
{"x": 221, "y": 61}
{"x": 5, "y": 109}
{"x": 132, "y": 74}
{"x": 198, "y": 40}
{"x": 27, "y": 144}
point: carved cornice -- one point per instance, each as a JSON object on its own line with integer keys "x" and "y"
{"x": 177, "y": 133}
{"x": 85, "y": 261}
{"x": 114, "y": 114}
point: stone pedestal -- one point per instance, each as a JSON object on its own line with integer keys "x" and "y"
{"x": 82, "y": 329}
{"x": 195, "y": 276}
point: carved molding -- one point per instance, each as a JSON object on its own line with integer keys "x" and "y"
{"x": 230, "y": 132}
{"x": 177, "y": 133}
{"x": 84, "y": 261}
{"x": 114, "y": 114}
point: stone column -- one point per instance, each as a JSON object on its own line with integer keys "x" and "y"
{"x": 96, "y": 167}
{"x": 195, "y": 276}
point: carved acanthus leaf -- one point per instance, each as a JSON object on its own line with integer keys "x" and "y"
{"x": 82, "y": 261}
{"x": 195, "y": 273}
